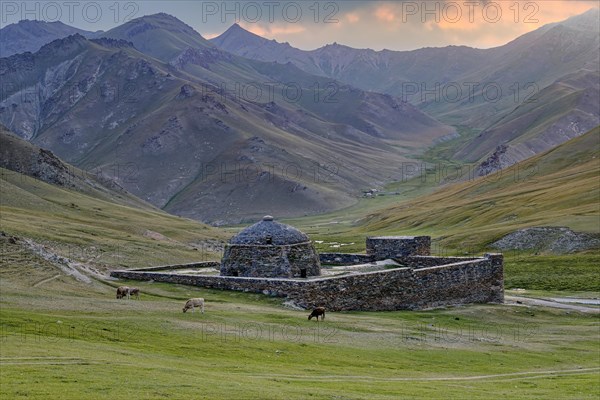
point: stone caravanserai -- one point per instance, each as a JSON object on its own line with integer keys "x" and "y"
{"x": 395, "y": 273}
{"x": 271, "y": 250}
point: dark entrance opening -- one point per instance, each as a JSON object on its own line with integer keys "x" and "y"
{"x": 269, "y": 239}
{"x": 303, "y": 273}
{"x": 234, "y": 273}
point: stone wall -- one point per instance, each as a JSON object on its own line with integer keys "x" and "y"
{"x": 384, "y": 247}
{"x": 203, "y": 264}
{"x": 272, "y": 261}
{"x": 413, "y": 261}
{"x": 345, "y": 258}
{"x": 477, "y": 280}
{"x": 430, "y": 261}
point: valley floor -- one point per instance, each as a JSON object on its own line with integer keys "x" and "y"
{"x": 61, "y": 338}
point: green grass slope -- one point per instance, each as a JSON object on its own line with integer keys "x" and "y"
{"x": 93, "y": 230}
{"x": 25, "y": 158}
{"x": 558, "y": 187}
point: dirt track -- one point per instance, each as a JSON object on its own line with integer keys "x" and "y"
{"x": 508, "y": 376}
{"x": 548, "y": 303}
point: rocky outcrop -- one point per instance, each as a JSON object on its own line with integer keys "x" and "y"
{"x": 558, "y": 240}
{"x": 113, "y": 43}
{"x": 201, "y": 57}
{"x": 495, "y": 162}
{"x": 38, "y": 163}
{"x": 186, "y": 92}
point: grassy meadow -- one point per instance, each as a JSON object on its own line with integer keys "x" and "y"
{"x": 70, "y": 340}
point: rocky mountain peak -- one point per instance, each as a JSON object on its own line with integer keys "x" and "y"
{"x": 113, "y": 43}
{"x": 31, "y": 35}
{"x": 65, "y": 45}
{"x": 240, "y": 37}
{"x": 158, "y": 21}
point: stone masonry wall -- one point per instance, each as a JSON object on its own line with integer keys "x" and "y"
{"x": 345, "y": 258}
{"x": 203, "y": 264}
{"x": 383, "y": 247}
{"x": 430, "y": 261}
{"x": 472, "y": 281}
{"x": 284, "y": 261}
{"x": 412, "y": 261}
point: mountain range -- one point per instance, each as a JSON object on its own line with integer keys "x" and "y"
{"x": 179, "y": 126}
{"x": 31, "y": 35}
{"x": 230, "y": 129}
{"x": 487, "y": 90}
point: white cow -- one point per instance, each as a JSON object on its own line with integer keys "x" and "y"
{"x": 192, "y": 303}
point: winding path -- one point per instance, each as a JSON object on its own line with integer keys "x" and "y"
{"x": 548, "y": 303}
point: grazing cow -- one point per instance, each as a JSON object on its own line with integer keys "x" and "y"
{"x": 122, "y": 291}
{"x": 192, "y": 303}
{"x": 134, "y": 292}
{"x": 316, "y": 312}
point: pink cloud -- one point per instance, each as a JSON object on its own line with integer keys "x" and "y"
{"x": 352, "y": 17}
{"x": 385, "y": 13}
{"x": 273, "y": 30}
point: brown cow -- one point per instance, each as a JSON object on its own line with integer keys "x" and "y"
{"x": 316, "y": 312}
{"x": 122, "y": 291}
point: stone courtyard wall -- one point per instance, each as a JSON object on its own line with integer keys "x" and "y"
{"x": 345, "y": 258}
{"x": 431, "y": 261}
{"x": 382, "y": 247}
{"x": 203, "y": 264}
{"x": 478, "y": 280}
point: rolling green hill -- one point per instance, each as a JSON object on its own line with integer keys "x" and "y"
{"x": 22, "y": 157}
{"x": 86, "y": 218}
{"x": 557, "y": 188}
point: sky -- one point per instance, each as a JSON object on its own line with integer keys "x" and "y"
{"x": 394, "y": 25}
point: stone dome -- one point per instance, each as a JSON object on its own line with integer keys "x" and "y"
{"x": 269, "y": 232}
{"x": 270, "y": 249}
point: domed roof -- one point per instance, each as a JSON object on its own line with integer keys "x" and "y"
{"x": 268, "y": 232}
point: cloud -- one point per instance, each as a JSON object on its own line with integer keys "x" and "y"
{"x": 210, "y": 35}
{"x": 271, "y": 31}
{"x": 385, "y": 13}
{"x": 399, "y": 26}
{"x": 352, "y": 17}
{"x": 484, "y": 24}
